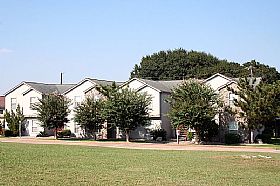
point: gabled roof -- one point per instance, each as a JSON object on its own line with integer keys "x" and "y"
{"x": 218, "y": 74}
{"x": 94, "y": 81}
{"x": 2, "y": 102}
{"x": 50, "y": 88}
{"x": 163, "y": 86}
{"x": 160, "y": 86}
{"x": 44, "y": 88}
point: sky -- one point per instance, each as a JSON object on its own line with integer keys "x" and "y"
{"x": 104, "y": 39}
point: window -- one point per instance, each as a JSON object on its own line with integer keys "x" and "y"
{"x": 77, "y": 101}
{"x": 76, "y": 128}
{"x": 1, "y": 111}
{"x": 13, "y": 103}
{"x": 34, "y": 126}
{"x": 96, "y": 97}
{"x": 232, "y": 126}
{"x": 232, "y": 97}
{"x": 32, "y": 101}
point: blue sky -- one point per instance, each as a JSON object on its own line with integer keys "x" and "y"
{"x": 104, "y": 39}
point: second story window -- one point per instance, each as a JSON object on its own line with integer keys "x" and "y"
{"x": 33, "y": 100}
{"x": 13, "y": 103}
{"x": 232, "y": 97}
{"x": 77, "y": 101}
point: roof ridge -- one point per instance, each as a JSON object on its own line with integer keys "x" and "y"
{"x": 103, "y": 80}
{"x": 49, "y": 83}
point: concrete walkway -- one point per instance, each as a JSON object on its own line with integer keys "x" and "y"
{"x": 134, "y": 145}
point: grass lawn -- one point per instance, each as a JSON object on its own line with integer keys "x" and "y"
{"x": 26, "y": 164}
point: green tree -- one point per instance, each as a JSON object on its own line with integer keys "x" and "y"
{"x": 194, "y": 105}
{"x": 180, "y": 64}
{"x": 259, "y": 104}
{"x": 52, "y": 111}
{"x": 14, "y": 120}
{"x": 89, "y": 115}
{"x": 127, "y": 109}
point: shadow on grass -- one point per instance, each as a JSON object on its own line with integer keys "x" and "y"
{"x": 114, "y": 140}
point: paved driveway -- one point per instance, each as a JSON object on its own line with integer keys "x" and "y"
{"x": 134, "y": 145}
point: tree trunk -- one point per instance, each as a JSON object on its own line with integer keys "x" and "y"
{"x": 55, "y": 133}
{"x": 251, "y": 136}
{"x": 127, "y": 135}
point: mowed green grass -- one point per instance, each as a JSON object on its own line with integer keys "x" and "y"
{"x": 26, "y": 164}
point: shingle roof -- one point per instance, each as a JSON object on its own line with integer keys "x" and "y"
{"x": 104, "y": 82}
{"x": 2, "y": 102}
{"x": 50, "y": 88}
{"x": 164, "y": 86}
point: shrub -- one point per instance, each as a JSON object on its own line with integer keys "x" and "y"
{"x": 265, "y": 137}
{"x": 159, "y": 133}
{"x": 9, "y": 133}
{"x": 64, "y": 133}
{"x": 232, "y": 138}
{"x": 42, "y": 134}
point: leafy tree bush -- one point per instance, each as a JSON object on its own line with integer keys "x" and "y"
{"x": 127, "y": 109}
{"x": 194, "y": 105}
{"x": 159, "y": 133}
{"x": 180, "y": 64}
{"x": 231, "y": 138}
{"x": 52, "y": 111}
{"x": 89, "y": 115}
{"x": 259, "y": 104}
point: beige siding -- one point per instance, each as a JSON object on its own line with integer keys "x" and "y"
{"x": 155, "y": 103}
{"x": 217, "y": 82}
{"x": 77, "y": 91}
{"x": 24, "y": 101}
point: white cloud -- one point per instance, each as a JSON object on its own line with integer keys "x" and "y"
{"x": 5, "y": 50}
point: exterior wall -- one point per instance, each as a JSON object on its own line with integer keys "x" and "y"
{"x": 32, "y": 125}
{"x": 134, "y": 84}
{"x": 155, "y": 103}
{"x": 77, "y": 91}
{"x": 217, "y": 81}
{"x": 25, "y": 104}
{"x": 164, "y": 109}
{"x": 83, "y": 91}
{"x": 143, "y": 132}
{"x": 155, "y": 111}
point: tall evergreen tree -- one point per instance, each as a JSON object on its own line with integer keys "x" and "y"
{"x": 15, "y": 120}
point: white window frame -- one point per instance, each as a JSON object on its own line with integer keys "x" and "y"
{"x": 34, "y": 126}
{"x": 13, "y": 103}
{"x": 77, "y": 103}
{"x": 32, "y": 102}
